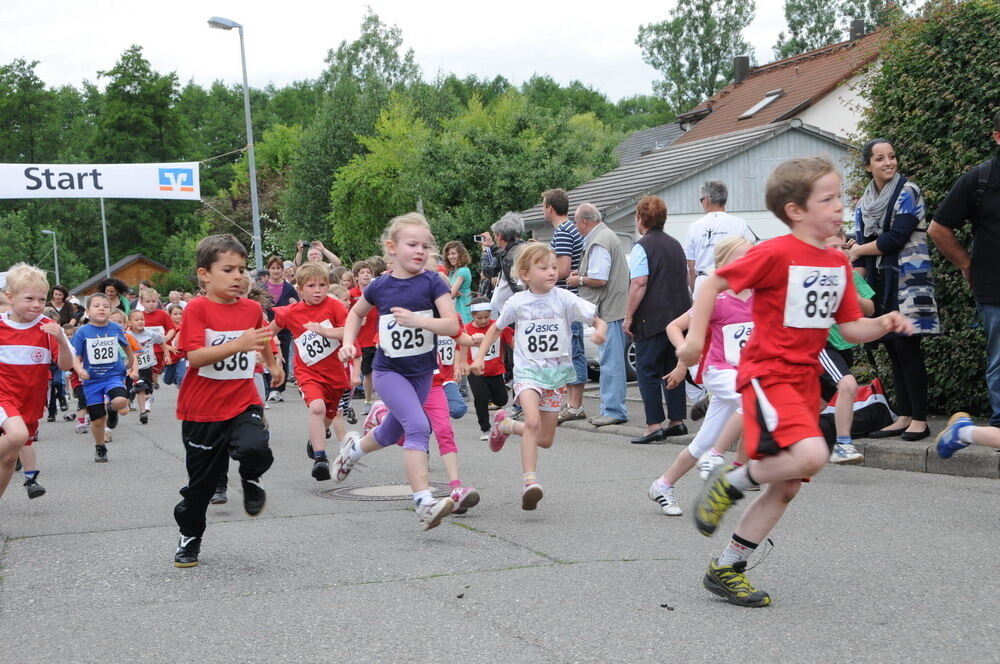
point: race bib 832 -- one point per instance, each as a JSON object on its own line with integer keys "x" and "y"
{"x": 814, "y": 294}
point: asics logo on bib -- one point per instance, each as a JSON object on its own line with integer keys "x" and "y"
{"x": 814, "y": 278}
{"x": 538, "y": 328}
{"x": 391, "y": 324}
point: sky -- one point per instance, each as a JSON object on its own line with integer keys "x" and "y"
{"x": 568, "y": 41}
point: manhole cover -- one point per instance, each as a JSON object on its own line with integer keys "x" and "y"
{"x": 385, "y": 492}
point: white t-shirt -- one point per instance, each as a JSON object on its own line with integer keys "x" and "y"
{"x": 705, "y": 233}
{"x": 598, "y": 263}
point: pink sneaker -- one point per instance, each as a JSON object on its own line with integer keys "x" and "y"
{"x": 498, "y": 438}
{"x": 374, "y": 417}
{"x": 464, "y": 497}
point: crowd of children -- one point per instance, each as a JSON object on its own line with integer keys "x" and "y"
{"x": 770, "y": 333}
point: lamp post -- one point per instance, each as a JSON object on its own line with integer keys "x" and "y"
{"x": 227, "y": 24}
{"x": 55, "y": 252}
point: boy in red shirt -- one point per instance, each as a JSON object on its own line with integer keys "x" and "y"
{"x": 367, "y": 341}
{"x": 30, "y": 343}
{"x": 158, "y": 322}
{"x": 801, "y": 288}
{"x": 319, "y": 373}
{"x": 220, "y": 410}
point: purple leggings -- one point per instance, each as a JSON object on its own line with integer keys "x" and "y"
{"x": 405, "y": 399}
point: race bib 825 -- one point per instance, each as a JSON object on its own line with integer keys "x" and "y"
{"x": 399, "y": 341}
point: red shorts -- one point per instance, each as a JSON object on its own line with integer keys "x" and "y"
{"x": 9, "y": 409}
{"x": 779, "y": 411}
{"x": 330, "y": 394}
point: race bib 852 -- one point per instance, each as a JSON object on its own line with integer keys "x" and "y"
{"x": 814, "y": 294}
{"x": 544, "y": 338}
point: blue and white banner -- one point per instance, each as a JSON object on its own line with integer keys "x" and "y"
{"x": 175, "y": 181}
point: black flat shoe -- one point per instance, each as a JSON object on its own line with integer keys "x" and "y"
{"x": 916, "y": 435}
{"x": 648, "y": 438}
{"x": 886, "y": 433}
{"x": 676, "y": 430}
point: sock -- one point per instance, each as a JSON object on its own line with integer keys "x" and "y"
{"x": 454, "y": 484}
{"x": 740, "y": 478}
{"x": 717, "y": 453}
{"x": 662, "y": 484}
{"x": 844, "y": 440}
{"x": 738, "y": 551}
{"x": 354, "y": 451}
{"x": 30, "y": 475}
{"x": 421, "y": 496}
{"x": 965, "y": 434}
{"x": 81, "y": 420}
{"x": 319, "y": 454}
{"x": 529, "y": 478}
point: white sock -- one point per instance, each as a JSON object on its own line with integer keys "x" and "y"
{"x": 354, "y": 450}
{"x": 965, "y": 434}
{"x": 740, "y": 478}
{"x": 661, "y": 485}
{"x": 421, "y": 496}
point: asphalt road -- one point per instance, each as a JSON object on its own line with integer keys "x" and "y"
{"x": 869, "y": 565}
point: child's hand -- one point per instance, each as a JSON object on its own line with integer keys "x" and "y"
{"x": 133, "y": 373}
{"x": 689, "y": 352}
{"x": 462, "y": 370}
{"x": 319, "y": 329}
{"x": 406, "y": 318}
{"x": 52, "y": 328}
{"x": 347, "y": 353}
{"x": 676, "y": 377}
{"x": 277, "y": 375}
{"x": 897, "y": 322}
{"x": 82, "y": 374}
{"x": 477, "y": 367}
{"x": 597, "y": 338}
{"x": 254, "y": 340}
{"x": 477, "y": 337}
{"x": 355, "y": 379}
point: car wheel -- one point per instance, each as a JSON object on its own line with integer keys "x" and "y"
{"x": 630, "y": 362}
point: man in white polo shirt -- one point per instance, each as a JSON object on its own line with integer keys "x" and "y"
{"x": 704, "y": 234}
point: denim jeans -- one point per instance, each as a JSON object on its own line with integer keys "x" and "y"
{"x": 612, "y": 358}
{"x": 456, "y": 404}
{"x": 991, "y": 323}
{"x": 579, "y": 355}
{"x": 654, "y": 358}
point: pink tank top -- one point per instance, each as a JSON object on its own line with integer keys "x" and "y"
{"x": 729, "y": 331}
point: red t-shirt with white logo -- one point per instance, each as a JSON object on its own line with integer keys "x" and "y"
{"x": 800, "y": 291}
{"x": 368, "y": 334}
{"x": 315, "y": 356}
{"x": 494, "y": 365}
{"x": 26, "y": 354}
{"x": 158, "y": 321}
{"x": 220, "y": 391}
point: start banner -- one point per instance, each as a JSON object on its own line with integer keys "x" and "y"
{"x": 177, "y": 181}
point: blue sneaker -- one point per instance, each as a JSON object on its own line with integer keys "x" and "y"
{"x": 947, "y": 442}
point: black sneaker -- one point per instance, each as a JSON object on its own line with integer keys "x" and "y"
{"x": 321, "y": 469}
{"x": 63, "y": 406}
{"x": 144, "y": 417}
{"x": 101, "y": 453}
{"x": 188, "y": 549}
{"x": 730, "y": 583}
{"x": 699, "y": 408}
{"x": 329, "y": 434}
{"x": 112, "y": 418}
{"x": 51, "y": 418}
{"x": 309, "y": 449}
{"x": 219, "y": 497}
{"x": 34, "y": 489}
{"x": 254, "y": 497}
{"x": 350, "y": 415}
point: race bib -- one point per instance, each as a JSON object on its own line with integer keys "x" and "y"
{"x": 734, "y": 337}
{"x": 492, "y": 353}
{"x": 157, "y": 329}
{"x": 102, "y": 350}
{"x": 543, "y": 339}
{"x": 814, "y": 294}
{"x": 314, "y": 347}
{"x": 145, "y": 358}
{"x": 446, "y": 351}
{"x": 238, "y": 366}
{"x": 398, "y": 341}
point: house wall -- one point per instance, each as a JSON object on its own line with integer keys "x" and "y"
{"x": 840, "y": 111}
{"x": 131, "y": 274}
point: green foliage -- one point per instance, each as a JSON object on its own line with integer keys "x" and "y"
{"x": 934, "y": 96}
{"x": 811, "y": 24}
{"x": 694, "y": 49}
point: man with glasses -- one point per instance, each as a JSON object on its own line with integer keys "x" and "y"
{"x": 704, "y": 234}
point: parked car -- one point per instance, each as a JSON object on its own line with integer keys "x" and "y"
{"x": 593, "y": 363}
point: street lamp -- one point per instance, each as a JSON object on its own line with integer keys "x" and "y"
{"x": 55, "y": 252}
{"x": 227, "y": 24}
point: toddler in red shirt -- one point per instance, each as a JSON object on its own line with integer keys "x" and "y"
{"x": 490, "y": 386}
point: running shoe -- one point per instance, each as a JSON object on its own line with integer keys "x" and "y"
{"x": 69, "y": 417}
{"x": 219, "y": 497}
{"x": 530, "y": 496}
{"x": 707, "y": 462}
{"x": 63, "y": 406}
{"x": 254, "y": 497}
{"x": 51, "y": 418}
{"x": 730, "y": 583}
{"x": 484, "y": 435}
{"x": 432, "y": 512}
{"x": 112, "y": 418}
{"x": 568, "y": 414}
{"x": 374, "y": 417}
{"x": 275, "y": 397}
{"x": 100, "y": 453}
{"x": 497, "y": 437}
{"x": 309, "y": 449}
{"x": 846, "y": 453}
{"x": 699, "y": 408}
{"x": 81, "y": 427}
{"x": 188, "y": 549}
{"x": 717, "y": 495}
{"x": 947, "y": 442}
{"x": 464, "y": 497}
{"x": 144, "y": 417}
{"x": 344, "y": 463}
{"x": 665, "y": 498}
{"x": 34, "y": 489}
{"x": 321, "y": 469}
{"x": 350, "y": 415}
{"x": 367, "y": 409}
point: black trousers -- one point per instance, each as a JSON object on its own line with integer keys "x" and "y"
{"x": 207, "y": 448}
{"x": 909, "y": 374}
{"x": 57, "y": 395}
{"x": 484, "y": 390}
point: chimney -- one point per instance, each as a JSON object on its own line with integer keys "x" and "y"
{"x": 857, "y": 28}
{"x": 741, "y": 68}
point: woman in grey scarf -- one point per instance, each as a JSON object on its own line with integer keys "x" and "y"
{"x": 891, "y": 249}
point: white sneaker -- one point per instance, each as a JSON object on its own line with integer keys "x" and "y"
{"x": 344, "y": 462}
{"x": 707, "y": 462}
{"x": 665, "y": 498}
{"x": 846, "y": 453}
{"x": 432, "y": 512}
{"x": 484, "y": 435}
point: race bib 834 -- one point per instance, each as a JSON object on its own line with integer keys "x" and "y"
{"x": 814, "y": 294}
{"x": 314, "y": 347}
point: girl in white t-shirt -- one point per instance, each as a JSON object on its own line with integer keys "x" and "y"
{"x": 543, "y": 362}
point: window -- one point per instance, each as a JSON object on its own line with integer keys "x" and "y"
{"x": 763, "y": 103}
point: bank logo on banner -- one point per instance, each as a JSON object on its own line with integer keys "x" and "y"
{"x": 176, "y": 179}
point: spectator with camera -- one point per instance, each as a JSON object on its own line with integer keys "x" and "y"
{"x": 499, "y": 253}
{"x": 314, "y": 252}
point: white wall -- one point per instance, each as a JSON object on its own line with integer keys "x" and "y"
{"x": 840, "y": 111}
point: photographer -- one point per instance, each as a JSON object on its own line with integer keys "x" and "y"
{"x": 315, "y": 252}
{"x": 499, "y": 255}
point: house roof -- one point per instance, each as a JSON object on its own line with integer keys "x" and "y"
{"x": 653, "y": 172}
{"x": 647, "y": 140}
{"x": 804, "y": 80}
{"x": 115, "y": 267}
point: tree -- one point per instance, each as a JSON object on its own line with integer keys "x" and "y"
{"x": 875, "y": 13}
{"x": 933, "y": 95}
{"x": 811, "y": 24}
{"x": 694, "y": 49}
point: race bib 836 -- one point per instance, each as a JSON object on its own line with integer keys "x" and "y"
{"x": 814, "y": 294}
{"x": 238, "y": 366}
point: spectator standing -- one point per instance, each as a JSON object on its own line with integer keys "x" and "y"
{"x": 603, "y": 280}
{"x": 891, "y": 248}
{"x": 658, "y": 293}
{"x": 117, "y": 292}
{"x": 499, "y": 253}
{"x": 704, "y": 234}
{"x": 456, "y": 261}
{"x": 568, "y": 245}
{"x": 975, "y": 198}
{"x": 66, "y": 312}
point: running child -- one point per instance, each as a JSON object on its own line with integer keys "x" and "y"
{"x": 147, "y": 339}
{"x": 962, "y": 432}
{"x": 157, "y": 321}
{"x": 417, "y": 306}
{"x": 99, "y": 347}
{"x": 364, "y": 273}
{"x": 543, "y": 363}
{"x": 29, "y": 343}
{"x": 175, "y": 362}
{"x": 220, "y": 410}
{"x": 490, "y": 386}
{"x": 729, "y": 329}
{"x": 801, "y": 288}
{"x": 319, "y": 372}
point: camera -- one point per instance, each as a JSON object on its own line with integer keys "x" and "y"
{"x": 478, "y": 239}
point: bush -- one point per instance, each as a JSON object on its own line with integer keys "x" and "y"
{"x": 933, "y": 96}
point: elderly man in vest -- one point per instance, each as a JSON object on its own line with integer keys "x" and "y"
{"x": 603, "y": 281}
